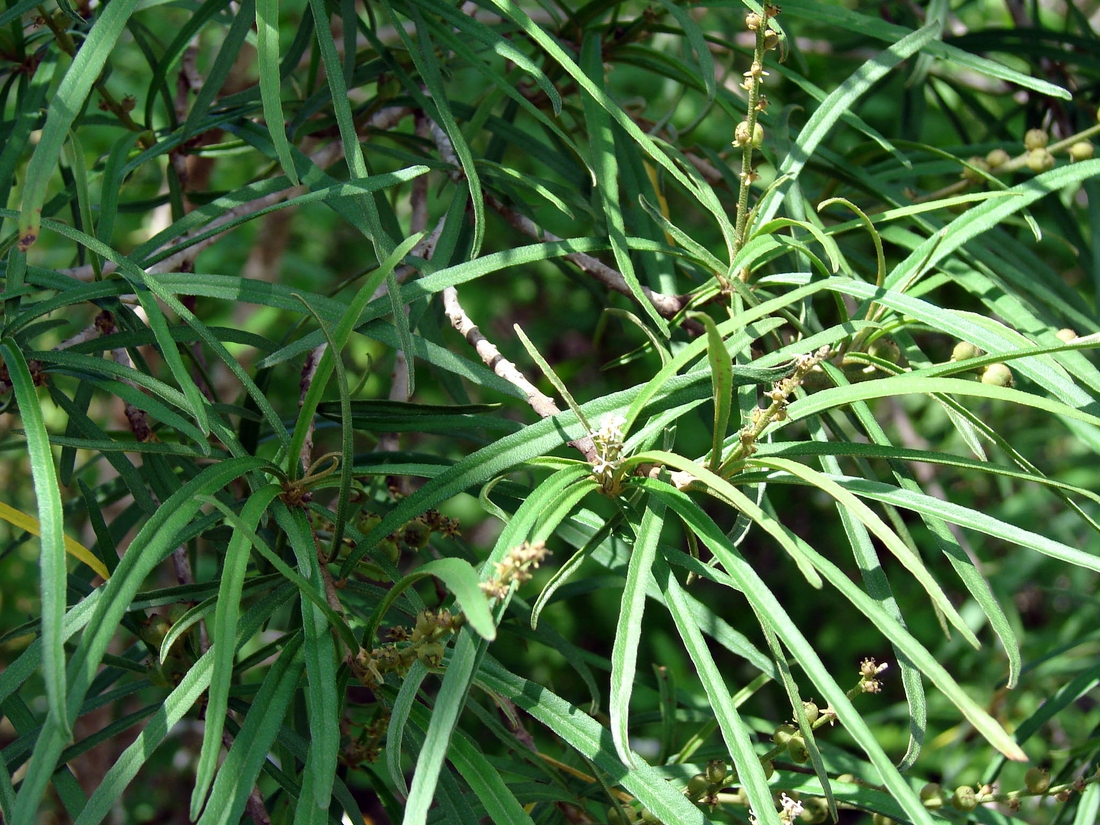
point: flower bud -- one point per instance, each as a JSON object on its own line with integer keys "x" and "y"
{"x": 430, "y": 654}
{"x": 964, "y": 799}
{"x": 964, "y": 351}
{"x": 932, "y": 796}
{"x": 1066, "y": 335}
{"x": 997, "y": 375}
{"x": 1036, "y": 139}
{"x": 753, "y": 21}
{"x": 1037, "y": 779}
{"x": 1081, "y": 150}
{"x": 882, "y": 819}
{"x": 649, "y": 818}
{"x": 1040, "y": 160}
{"x": 997, "y": 157}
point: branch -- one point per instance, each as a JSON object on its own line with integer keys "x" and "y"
{"x": 540, "y": 402}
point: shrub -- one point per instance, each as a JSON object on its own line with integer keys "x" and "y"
{"x": 290, "y": 292}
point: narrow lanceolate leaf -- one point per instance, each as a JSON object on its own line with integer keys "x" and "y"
{"x": 912, "y": 562}
{"x": 66, "y": 103}
{"x": 224, "y": 636}
{"x": 735, "y": 733}
{"x": 52, "y": 572}
{"x": 261, "y": 726}
{"x": 755, "y": 588}
{"x": 721, "y": 381}
{"x": 267, "y": 59}
{"x": 156, "y": 540}
{"x": 628, "y": 631}
{"x": 319, "y": 651}
{"x": 605, "y": 163}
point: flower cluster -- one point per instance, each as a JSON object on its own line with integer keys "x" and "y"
{"x": 423, "y": 642}
{"x": 791, "y": 810}
{"x": 516, "y": 567}
{"x": 778, "y": 395}
{"x": 869, "y": 670}
{"x": 608, "y": 440}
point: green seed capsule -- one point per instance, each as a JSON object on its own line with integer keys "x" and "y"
{"x": 783, "y": 734}
{"x": 1040, "y": 160}
{"x": 964, "y": 799}
{"x": 1081, "y": 150}
{"x": 1036, "y": 139}
{"x": 932, "y": 796}
{"x": 885, "y": 349}
{"x": 997, "y": 375}
{"x": 1037, "y": 779}
{"x": 971, "y": 172}
{"x": 797, "y": 750}
{"x": 964, "y": 351}
{"x": 697, "y": 785}
{"x": 716, "y": 771}
{"x": 811, "y": 709}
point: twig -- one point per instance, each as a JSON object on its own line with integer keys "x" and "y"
{"x": 541, "y": 403}
{"x": 309, "y": 370}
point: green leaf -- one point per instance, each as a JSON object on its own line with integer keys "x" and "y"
{"x": 53, "y": 583}
{"x": 223, "y": 639}
{"x": 65, "y": 104}
{"x": 628, "y": 630}
{"x": 721, "y": 378}
{"x": 267, "y": 60}
{"x": 245, "y": 759}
